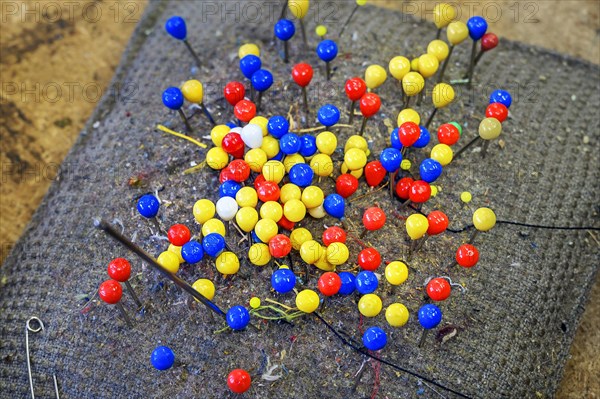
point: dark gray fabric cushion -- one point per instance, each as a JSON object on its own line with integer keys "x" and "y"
{"x": 514, "y": 324}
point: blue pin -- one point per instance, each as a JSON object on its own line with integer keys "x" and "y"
{"x": 334, "y": 205}
{"x": 279, "y": 157}
{"x": 237, "y": 317}
{"x": 301, "y": 175}
{"x": 162, "y": 358}
{"x": 327, "y": 50}
{"x": 284, "y": 31}
{"x": 328, "y": 115}
{"x": 290, "y": 143}
{"x": 348, "y": 283}
{"x": 176, "y": 27}
{"x": 148, "y": 206}
{"x": 477, "y": 28}
{"x": 395, "y": 139}
{"x": 278, "y": 126}
{"x": 262, "y": 80}
{"x": 390, "y": 159}
{"x": 309, "y": 145}
{"x": 249, "y": 65}
{"x": 501, "y": 96}
{"x": 213, "y": 244}
{"x": 172, "y": 98}
{"x": 283, "y": 280}
{"x": 430, "y": 170}
{"x": 374, "y": 339}
{"x": 424, "y": 138}
{"x": 192, "y": 252}
{"x": 429, "y": 317}
{"x": 366, "y": 282}
{"x": 229, "y": 188}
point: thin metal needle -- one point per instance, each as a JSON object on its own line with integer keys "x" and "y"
{"x": 28, "y": 328}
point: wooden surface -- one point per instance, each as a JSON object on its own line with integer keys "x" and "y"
{"x": 56, "y": 63}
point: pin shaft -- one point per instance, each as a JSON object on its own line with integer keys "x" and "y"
{"x": 189, "y": 47}
{"x": 124, "y": 314}
{"x": 446, "y": 62}
{"x": 469, "y": 144}
{"x": 133, "y": 294}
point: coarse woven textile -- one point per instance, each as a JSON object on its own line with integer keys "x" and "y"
{"x": 514, "y": 324}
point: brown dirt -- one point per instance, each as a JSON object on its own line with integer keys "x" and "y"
{"x": 43, "y": 51}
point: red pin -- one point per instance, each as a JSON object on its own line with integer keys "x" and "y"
{"x": 258, "y": 180}
{"x": 355, "y": 89}
{"x": 369, "y": 259}
{"x": 448, "y": 134}
{"x": 373, "y": 219}
{"x": 467, "y": 255}
{"x": 234, "y": 92}
{"x": 268, "y": 191}
{"x": 111, "y": 292}
{"x": 369, "y": 106}
{"x": 346, "y": 185}
{"x": 285, "y": 224}
{"x": 498, "y": 111}
{"x": 244, "y": 110}
{"x": 329, "y": 283}
{"x": 119, "y": 269}
{"x": 438, "y": 289}
{"x": 280, "y": 246}
{"x": 239, "y": 381}
{"x": 374, "y": 173}
{"x": 179, "y": 235}
{"x": 334, "y": 234}
{"x": 302, "y": 75}
{"x": 233, "y": 144}
{"x": 489, "y": 41}
{"x": 419, "y": 192}
{"x": 408, "y": 134}
{"x": 403, "y": 187}
{"x": 240, "y": 170}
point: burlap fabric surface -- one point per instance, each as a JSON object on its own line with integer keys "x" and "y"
{"x": 514, "y": 324}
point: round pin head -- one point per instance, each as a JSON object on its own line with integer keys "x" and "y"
{"x": 430, "y": 170}
{"x": 498, "y": 111}
{"x": 239, "y": 381}
{"x": 245, "y": 110}
{"x": 148, "y": 206}
{"x": 193, "y": 91}
{"x": 428, "y": 65}
{"x": 227, "y": 207}
{"x": 192, "y": 251}
{"x": 355, "y": 88}
{"x": 375, "y": 76}
{"x": 280, "y": 246}
{"x": 327, "y": 50}
{"x": 172, "y": 98}
{"x": 204, "y": 287}
{"x": 238, "y": 167}
{"x": 213, "y": 244}
{"x": 329, "y": 283}
{"x": 408, "y": 134}
{"x": 396, "y": 272}
{"x": 328, "y": 115}
{"x": 448, "y": 134}
{"x": 429, "y": 316}
{"x": 278, "y": 126}
{"x": 249, "y": 65}
{"x": 234, "y": 92}
{"x": 348, "y": 283}
{"x": 369, "y": 305}
{"x": 419, "y": 192}
{"x": 308, "y": 146}
{"x": 443, "y": 95}
{"x": 366, "y": 282}
{"x": 334, "y": 234}
{"x": 262, "y": 80}
{"x": 442, "y": 153}
{"x": 484, "y": 219}
{"x": 477, "y": 27}
{"x": 439, "y": 49}
{"x": 467, "y": 255}
{"x": 390, "y": 159}
{"x": 307, "y": 301}
{"x": 110, "y": 291}
{"x": 370, "y": 104}
{"x": 284, "y": 29}
{"x": 321, "y": 31}
{"x": 290, "y": 143}
{"x": 416, "y": 226}
{"x": 490, "y": 128}
{"x": 283, "y": 280}
{"x": 502, "y": 97}
{"x": 334, "y": 205}
{"x": 374, "y": 339}
{"x": 298, "y": 8}
{"x": 396, "y": 315}
{"x": 301, "y": 175}
{"x": 302, "y": 74}
{"x": 162, "y": 358}
{"x": 175, "y": 26}
{"x": 268, "y": 191}
{"x": 229, "y": 188}
{"x": 443, "y": 14}
{"x": 424, "y": 138}
{"x": 119, "y": 269}
{"x": 237, "y": 317}
{"x": 489, "y": 41}
{"x": 252, "y": 136}
{"x": 178, "y": 234}
{"x": 438, "y": 289}
{"x": 403, "y": 187}
{"x": 399, "y": 66}
{"x": 355, "y": 159}
{"x": 373, "y": 218}
{"x": 369, "y": 259}
{"x": 413, "y": 83}
{"x": 457, "y": 32}
{"x": 248, "y": 48}
{"x": 438, "y": 223}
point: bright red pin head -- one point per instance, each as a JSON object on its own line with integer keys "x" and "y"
{"x": 489, "y": 41}
{"x": 467, "y": 255}
{"x": 225, "y": 175}
{"x": 373, "y": 218}
{"x": 329, "y": 283}
{"x": 369, "y": 259}
{"x": 234, "y": 92}
{"x": 240, "y": 170}
{"x": 498, "y": 111}
{"x": 280, "y": 246}
{"x": 334, "y": 234}
{"x": 260, "y": 179}
{"x": 403, "y": 187}
{"x": 268, "y": 191}
{"x": 355, "y": 88}
{"x": 119, "y": 269}
{"x": 286, "y": 224}
{"x": 409, "y": 133}
{"x": 370, "y": 104}
{"x": 245, "y": 110}
{"x": 239, "y": 381}
{"x": 438, "y": 289}
{"x": 419, "y": 192}
{"x": 438, "y": 223}
{"x": 448, "y": 134}
{"x": 302, "y": 74}
{"x": 233, "y": 144}
{"x": 374, "y": 173}
{"x": 346, "y": 185}
{"x": 178, "y": 235}
{"x": 110, "y": 292}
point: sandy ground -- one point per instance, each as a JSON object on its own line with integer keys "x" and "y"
{"x": 57, "y": 58}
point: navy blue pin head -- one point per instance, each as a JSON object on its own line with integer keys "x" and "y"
{"x": 477, "y": 27}
{"x": 284, "y": 30}
{"x": 328, "y": 115}
{"x": 172, "y": 98}
{"x": 176, "y": 27}
{"x": 262, "y": 80}
{"x": 327, "y": 50}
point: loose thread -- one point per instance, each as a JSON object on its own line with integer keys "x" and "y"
{"x": 180, "y": 135}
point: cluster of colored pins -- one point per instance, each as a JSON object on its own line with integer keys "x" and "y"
{"x": 270, "y": 174}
